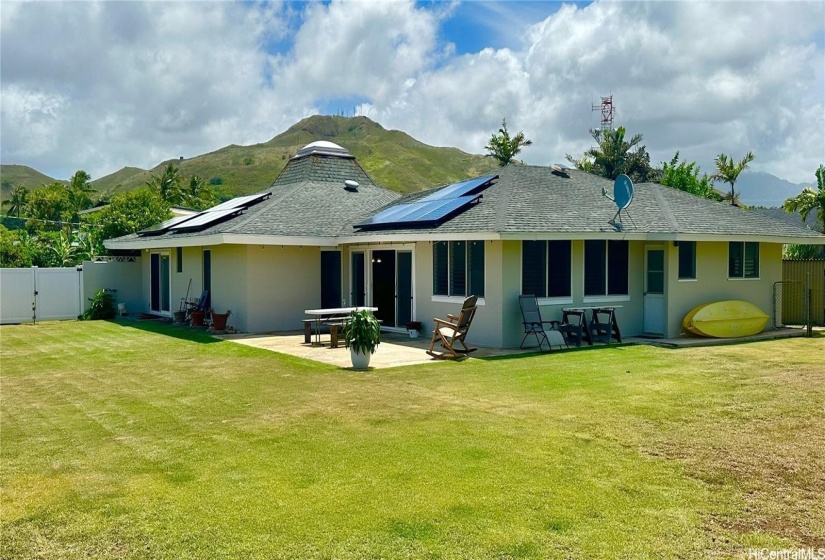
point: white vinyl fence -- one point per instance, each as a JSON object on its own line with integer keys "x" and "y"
{"x": 32, "y": 294}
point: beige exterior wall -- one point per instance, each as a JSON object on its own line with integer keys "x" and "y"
{"x": 282, "y": 283}
{"x": 268, "y": 288}
{"x": 125, "y": 277}
{"x": 629, "y": 312}
{"x": 487, "y": 327}
{"x": 712, "y": 282}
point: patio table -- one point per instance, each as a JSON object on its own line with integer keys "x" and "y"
{"x": 321, "y": 315}
{"x": 595, "y": 329}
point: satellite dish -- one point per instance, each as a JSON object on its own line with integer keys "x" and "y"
{"x": 622, "y": 197}
{"x": 623, "y": 191}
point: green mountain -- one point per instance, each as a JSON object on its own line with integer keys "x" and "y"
{"x": 391, "y": 157}
{"x": 113, "y": 182}
{"x": 13, "y": 175}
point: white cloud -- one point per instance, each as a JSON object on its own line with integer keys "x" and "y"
{"x": 106, "y": 84}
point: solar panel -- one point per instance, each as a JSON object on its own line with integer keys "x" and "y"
{"x": 240, "y": 202}
{"x": 460, "y": 189}
{"x": 162, "y": 227}
{"x": 418, "y": 213}
{"x": 204, "y": 219}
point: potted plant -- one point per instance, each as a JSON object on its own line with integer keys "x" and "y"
{"x": 219, "y": 320}
{"x": 362, "y": 333}
{"x": 414, "y": 328}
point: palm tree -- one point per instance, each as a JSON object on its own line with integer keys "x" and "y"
{"x": 168, "y": 185}
{"x": 615, "y": 156}
{"x": 18, "y": 199}
{"x": 504, "y": 148}
{"x": 80, "y": 190}
{"x": 809, "y": 200}
{"x": 728, "y": 171}
{"x": 199, "y": 194}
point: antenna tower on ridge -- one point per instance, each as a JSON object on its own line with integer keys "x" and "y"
{"x": 607, "y": 110}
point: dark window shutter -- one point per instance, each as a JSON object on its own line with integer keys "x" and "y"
{"x": 558, "y": 269}
{"x": 594, "y": 267}
{"x": 440, "y": 272}
{"x": 533, "y": 268}
{"x": 617, "y": 254}
{"x": 687, "y": 260}
{"x": 458, "y": 268}
{"x": 735, "y": 254}
{"x": 751, "y": 259}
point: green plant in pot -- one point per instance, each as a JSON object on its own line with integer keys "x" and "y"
{"x": 362, "y": 334}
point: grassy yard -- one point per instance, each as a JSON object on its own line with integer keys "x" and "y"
{"x": 150, "y": 442}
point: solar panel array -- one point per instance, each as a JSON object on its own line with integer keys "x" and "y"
{"x": 206, "y": 218}
{"x": 433, "y": 208}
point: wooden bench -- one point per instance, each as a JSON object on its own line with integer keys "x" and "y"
{"x": 308, "y": 327}
{"x": 334, "y": 327}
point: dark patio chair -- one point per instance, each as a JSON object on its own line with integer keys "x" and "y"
{"x": 534, "y": 324}
{"x": 453, "y": 331}
{"x": 200, "y": 305}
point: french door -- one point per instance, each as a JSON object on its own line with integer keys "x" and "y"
{"x": 161, "y": 280}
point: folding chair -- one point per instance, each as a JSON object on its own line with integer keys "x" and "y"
{"x": 533, "y": 324}
{"x": 200, "y": 305}
{"x": 454, "y": 331}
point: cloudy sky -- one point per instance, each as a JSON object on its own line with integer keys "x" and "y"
{"x": 102, "y": 85}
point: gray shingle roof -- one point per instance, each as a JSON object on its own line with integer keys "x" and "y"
{"x": 309, "y": 200}
{"x": 533, "y": 199}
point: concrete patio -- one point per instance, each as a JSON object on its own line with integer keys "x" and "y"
{"x": 398, "y": 349}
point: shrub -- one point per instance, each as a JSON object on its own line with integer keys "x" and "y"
{"x": 215, "y": 181}
{"x": 102, "y": 307}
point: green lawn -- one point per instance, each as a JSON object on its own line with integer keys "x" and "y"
{"x": 151, "y": 442}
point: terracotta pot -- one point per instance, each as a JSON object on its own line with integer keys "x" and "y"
{"x": 219, "y": 321}
{"x": 197, "y": 318}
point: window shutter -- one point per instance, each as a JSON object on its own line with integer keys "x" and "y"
{"x": 558, "y": 269}
{"x": 594, "y": 267}
{"x": 458, "y": 268}
{"x": 440, "y": 275}
{"x": 476, "y": 268}
{"x": 534, "y": 268}
{"x": 617, "y": 255}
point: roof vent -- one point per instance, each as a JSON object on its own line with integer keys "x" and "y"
{"x": 351, "y": 185}
{"x": 560, "y": 170}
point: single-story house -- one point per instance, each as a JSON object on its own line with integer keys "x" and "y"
{"x": 325, "y": 235}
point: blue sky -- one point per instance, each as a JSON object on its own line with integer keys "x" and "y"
{"x": 99, "y": 85}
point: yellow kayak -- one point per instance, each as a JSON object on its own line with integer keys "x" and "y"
{"x": 726, "y": 319}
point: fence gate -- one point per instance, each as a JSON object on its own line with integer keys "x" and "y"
{"x": 29, "y": 294}
{"x": 788, "y": 303}
{"x": 811, "y": 274}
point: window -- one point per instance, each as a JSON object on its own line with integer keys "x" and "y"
{"x": 687, "y": 260}
{"x": 545, "y": 268}
{"x": 605, "y": 268}
{"x": 743, "y": 259}
{"x": 179, "y": 258}
{"x": 458, "y": 268}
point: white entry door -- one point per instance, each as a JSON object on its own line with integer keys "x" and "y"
{"x": 654, "y": 321}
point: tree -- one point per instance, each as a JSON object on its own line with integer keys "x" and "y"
{"x": 198, "y": 194}
{"x": 615, "y": 156}
{"x": 503, "y": 148}
{"x": 50, "y": 204}
{"x": 18, "y": 200}
{"x": 168, "y": 185}
{"x": 809, "y": 200}
{"x": 80, "y": 191}
{"x": 15, "y": 248}
{"x": 684, "y": 176}
{"x": 728, "y": 171}
{"x": 130, "y": 212}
